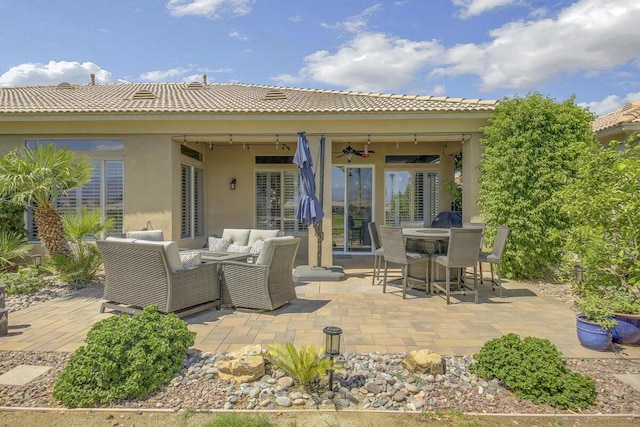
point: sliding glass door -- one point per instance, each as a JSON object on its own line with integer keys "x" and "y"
{"x": 351, "y": 208}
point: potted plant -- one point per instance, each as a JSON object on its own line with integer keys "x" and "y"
{"x": 625, "y": 308}
{"x": 595, "y": 323}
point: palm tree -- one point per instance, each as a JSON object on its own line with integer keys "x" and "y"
{"x": 37, "y": 177}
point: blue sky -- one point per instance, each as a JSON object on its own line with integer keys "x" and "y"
{"x": 484, "y": 49}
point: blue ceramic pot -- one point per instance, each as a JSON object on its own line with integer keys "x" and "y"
{"x": 591, "y": 335}
{"x": 627, "y": 330}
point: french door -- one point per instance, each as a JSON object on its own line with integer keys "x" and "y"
{"x": 351, "y": 208}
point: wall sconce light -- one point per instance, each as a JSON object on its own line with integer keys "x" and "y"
{"x": 232, "y": 184}
{"x": 332, "y": 347}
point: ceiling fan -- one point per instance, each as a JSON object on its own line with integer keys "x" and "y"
{"x": 349, "y": 152}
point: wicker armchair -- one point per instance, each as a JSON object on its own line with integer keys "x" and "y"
{"x": 266, "y": 284}
{"x": 140, "y": 273}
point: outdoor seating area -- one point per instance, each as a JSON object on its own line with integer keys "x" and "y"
{"x": 143, "y": 269}
{"x": 437, "y": 257}
{"x": 372, "y": 321}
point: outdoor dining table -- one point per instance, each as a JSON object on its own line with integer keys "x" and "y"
{"x": 425, "y": 240}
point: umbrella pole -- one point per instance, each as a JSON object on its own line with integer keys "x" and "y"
{"x": 318, "y": 227}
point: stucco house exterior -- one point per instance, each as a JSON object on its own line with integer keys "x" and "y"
{"x": 194, "y": 158}
{"x": 618, "y": 125}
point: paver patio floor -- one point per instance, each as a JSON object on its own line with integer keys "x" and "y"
{"x": 370, "y": 320}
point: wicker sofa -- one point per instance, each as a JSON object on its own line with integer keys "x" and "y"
{"x": 265, "y": 284}
{"x": 143, "y": 272}
{"x": 241, "y": 240}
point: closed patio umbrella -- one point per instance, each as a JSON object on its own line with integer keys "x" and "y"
{"x": 310, "y": 209}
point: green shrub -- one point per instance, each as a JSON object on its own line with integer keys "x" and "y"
{"x": 303, "y": 366}
{"x": 24, "y": 281}
{"x": 533, "y": 369}
{"x": 12, "y": 217}
{"x": 13, "y": 246}
{"x": 530, "y": 152}
{"x": 125, "y": 357}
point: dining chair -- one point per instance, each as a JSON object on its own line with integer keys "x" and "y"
{"x": 378, "y": 253}
{"x": 395, "y": 252}
{"x": 463, "y": 252}
{"x": 482, "y": 226}
{"x": 495, "y": 256}
{"x": 354, "y": 232}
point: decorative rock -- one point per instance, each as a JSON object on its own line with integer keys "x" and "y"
{"x": 244, "y": 365}
{"x": 283, "y": 401}
{"x": 399, "y": 396}
{"x": 415, "y": 404}
{"x": 424, "y": 362}
{"x": 285, "y": 382}
{"x": 373, "y": 388}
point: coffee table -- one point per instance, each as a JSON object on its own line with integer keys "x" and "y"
{"x": 217, "y": 258}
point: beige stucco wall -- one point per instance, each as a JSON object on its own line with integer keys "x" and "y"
{"x": 152, "y": 158}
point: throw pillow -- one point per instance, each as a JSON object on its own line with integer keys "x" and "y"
{"x": 219, "y": 244}
{"x": 257, "y": 247}
{"x": 190, "y": 259}
{"x": 238, "y": 248}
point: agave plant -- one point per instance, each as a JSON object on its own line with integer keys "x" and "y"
{"x": 303, "y": 366}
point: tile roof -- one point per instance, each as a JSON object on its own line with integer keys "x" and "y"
{"x": 630, "y": 113}
{"x": 217, "y": 98}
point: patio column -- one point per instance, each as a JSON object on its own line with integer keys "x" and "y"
{"x": 471, "y": 154}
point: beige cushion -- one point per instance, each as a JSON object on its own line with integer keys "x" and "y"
{"x": 238, "y": 236}
{"x": 119, "y": 239}
{"x": 171, "y": 251}
{"x": 239, "y": 249}
{"x": 255, "y": 235}
{"x": 155, "y": 235}
{"x": 218, "y": 244}
{"x": 267, "y": 250}
{"x": 256, "y": 247}
{"x": 190, "y": 259}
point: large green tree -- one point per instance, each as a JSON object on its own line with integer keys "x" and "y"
{"x": 37, "y": 177}
{"x": 530, "y": 152}
{"x": 604, "y": 205}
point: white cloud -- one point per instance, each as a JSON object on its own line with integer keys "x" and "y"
{"x": 295, "y": 18}
{"x": 471, "y": 8}
{"x": 163, "y": 75}
{"x": 355, "y": 23}
{"x": 589, "y": 35}
{"x": 212, "y": 9}
{"x": 54, "y": 72}
{"x": 235, "y": 34}
{"x": 610, "y": 103}
{"x": 371, "y": 62}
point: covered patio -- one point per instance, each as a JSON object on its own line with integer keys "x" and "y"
{"x": 371, "y": 321}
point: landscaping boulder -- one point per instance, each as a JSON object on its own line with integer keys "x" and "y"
{"x": 424, "y": 362}
{"x": 244, "y": 365}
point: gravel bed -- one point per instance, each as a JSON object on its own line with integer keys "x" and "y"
{"x": 368, "y": 382}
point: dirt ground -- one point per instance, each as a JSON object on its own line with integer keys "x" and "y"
{"x": 84, "y": 418}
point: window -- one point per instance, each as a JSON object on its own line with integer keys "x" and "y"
{"x": 105, "y": 192}
{"x": 191, "y": 202}
{"x": 277, "y": 198}
{"x": 410, "y": 196}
